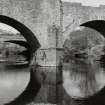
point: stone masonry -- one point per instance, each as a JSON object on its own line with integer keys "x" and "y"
{"x": 74, "y": 14}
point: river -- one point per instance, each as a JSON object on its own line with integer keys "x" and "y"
{"x": 83, "y": 78}
{"x": 13, "y": 81}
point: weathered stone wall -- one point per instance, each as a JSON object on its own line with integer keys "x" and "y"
{"x": 44, "y": 19}
{"x": 76, "y": 14}
{"x": 37, "y": 15}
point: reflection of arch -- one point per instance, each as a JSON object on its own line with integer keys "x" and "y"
{"x": 25, "y": 53}
{"x": 27, "y": 34}
{"x": 98, "y": 98}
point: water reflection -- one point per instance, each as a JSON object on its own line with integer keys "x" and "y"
{"x": 14, "y": 75}
{"x": 12, "y": 83}
{"x": 83, "y": 77}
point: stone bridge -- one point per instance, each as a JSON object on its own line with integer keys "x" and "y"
{"x": 43, "y": 18}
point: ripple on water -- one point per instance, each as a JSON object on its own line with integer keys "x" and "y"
{"x": 82, "y": 79}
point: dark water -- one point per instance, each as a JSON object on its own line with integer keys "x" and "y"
{"x": 13, "y": 81}
{"x": 83, "y": 77}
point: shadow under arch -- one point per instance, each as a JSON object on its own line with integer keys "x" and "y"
{"x": 98, "y": 25}
{"x": 33, "y": 87}
{"x": 98, "y": 98}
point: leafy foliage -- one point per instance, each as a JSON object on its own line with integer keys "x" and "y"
{"x": 81, "y": 42}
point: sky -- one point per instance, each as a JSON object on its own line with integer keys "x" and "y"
{"x": 8, "y": 28}
{"x": 94, "y": 3}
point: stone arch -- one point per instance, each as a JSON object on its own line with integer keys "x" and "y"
{"x": 34, "y": 44}
{"x": 97, "y": 25}
{"x": 97, "y": 98}
{"x": 26, "y": 33}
